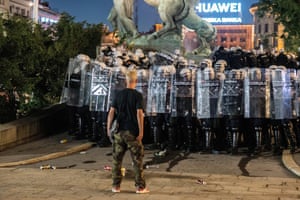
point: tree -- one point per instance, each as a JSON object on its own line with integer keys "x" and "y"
{"x": 68, "y": 39}
{"x": 286, "y": 12}
{"x": 92, "y": 36}
{"x": 76, "y": 37}
{"x": 34, "y": 61}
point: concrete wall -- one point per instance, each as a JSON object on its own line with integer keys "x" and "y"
{"x": 48, "y": 121}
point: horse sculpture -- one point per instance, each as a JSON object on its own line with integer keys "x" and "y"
{"x": 173, "y": 13}
{"x": 120, "y": 17}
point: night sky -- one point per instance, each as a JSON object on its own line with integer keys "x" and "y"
{"x": 96, "y": 11}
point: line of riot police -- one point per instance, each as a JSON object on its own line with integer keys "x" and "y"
{"x": 188, "y": 106}
{"x": 237, "y": 58}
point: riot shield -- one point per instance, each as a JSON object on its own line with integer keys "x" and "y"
{"x": 257, "y": 93}
{"x": 297, "y": 94}
{"x": 64, "y": 98}
{"x": 182, "y": 92}
{"x": 283, "y": 93}
{"x": 142, "y": 84}
{"x": 208, "y": 93}
{"x": 117, "y": 81}
{"x": 100, "y": 85}
{"x": 231, "y": 100}
{"x": 159, "y": 92}
{"x": 87, "y": 84}
{"x": 77, "y": 80}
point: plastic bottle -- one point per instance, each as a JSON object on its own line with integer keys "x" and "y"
{"x": 123, "y": 171}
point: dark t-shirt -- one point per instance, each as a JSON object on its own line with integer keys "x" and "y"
{"x": 127, "y": 102}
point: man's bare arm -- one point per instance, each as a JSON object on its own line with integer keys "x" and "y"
{"x": 110, "y": 118}
{"x": 140, "y": 118}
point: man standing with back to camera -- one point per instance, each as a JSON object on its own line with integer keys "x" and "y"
{"x": 127, "y": 105}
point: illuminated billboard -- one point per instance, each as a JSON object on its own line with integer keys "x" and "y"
{"x": 225, "y": 11}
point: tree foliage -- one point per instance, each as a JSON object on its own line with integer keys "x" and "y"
{"x": 286, "y": 12}
{"x": 34, "y": 60}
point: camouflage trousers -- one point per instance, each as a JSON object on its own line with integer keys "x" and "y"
{"x": 123, "y": 141}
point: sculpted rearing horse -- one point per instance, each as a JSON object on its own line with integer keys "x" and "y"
{"x": 120, "y": 17}
{"x": 175, "y": 13}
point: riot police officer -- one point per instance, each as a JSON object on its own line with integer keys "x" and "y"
{"x": 99, "y": 101}
{"x": 256, "y": 107}
{"x": 231, "y": 107}
{"x": 182, "y": 107}
{"x": 283, "y": 111}
{"x": 159, "y": 95}
{"x": 208, "y": 92}
{"x": 77, "y": 84}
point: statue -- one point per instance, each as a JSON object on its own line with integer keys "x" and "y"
{"x": 174, "y": 14}
{"x": 120, "y": 17}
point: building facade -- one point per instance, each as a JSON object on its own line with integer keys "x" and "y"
{"x": 235, "y": 36}
{"x": 231, "y": 19}
{"x": 16, "y": 7}
{"x": 46, "y": 16}
{"x": 38, "y": 11}
{"x": 267, "y": 32}
{"x": 4, "y": 6}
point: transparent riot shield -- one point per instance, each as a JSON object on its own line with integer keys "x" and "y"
{"x": 283, "y": 93}
{"x": 77, "y": 80}
{"x": 182, "y": 92}
{"x": 208, "y": 93}
{"x": 159, "y": 92}
{"x": 297, "y": 94}
{"x": 142, "y": 84}
{"x": 100, "y": 87}
{"x": 231, "y": 100}
{"x": 87, "y": 84}
{"x": 65, "y": 91}
{"x": 117, "y": 81}
{"x": 257, "y": 93}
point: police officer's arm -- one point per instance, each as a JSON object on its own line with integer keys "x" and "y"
{"x": 140, "y": 118}
{"x": 110, "y": 118}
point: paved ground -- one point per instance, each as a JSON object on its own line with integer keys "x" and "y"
{"x": 80, "y": 174}
{"x": 296, "y": 158}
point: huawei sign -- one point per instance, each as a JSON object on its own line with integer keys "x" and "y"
{"x": 219, "y": 7}
{"x": 220, "y": 12}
